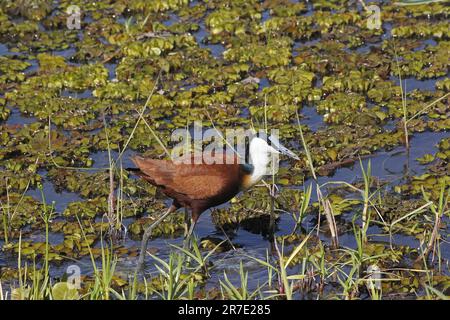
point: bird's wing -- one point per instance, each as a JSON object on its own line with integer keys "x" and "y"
{"x": 196, "y": 181}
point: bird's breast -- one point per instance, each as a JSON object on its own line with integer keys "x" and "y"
{"x": 246, "y": 182}
{"x": 245, "y": 176}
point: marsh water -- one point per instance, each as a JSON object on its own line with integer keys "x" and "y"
{"x": 391, "y": 165}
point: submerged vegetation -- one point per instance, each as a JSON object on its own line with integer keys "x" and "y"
{"x": 364, "y": 213}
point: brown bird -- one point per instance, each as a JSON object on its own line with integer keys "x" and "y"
{"x": 203, "y": 185}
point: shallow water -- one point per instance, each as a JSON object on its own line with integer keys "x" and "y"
{"x": 391, "y": 166}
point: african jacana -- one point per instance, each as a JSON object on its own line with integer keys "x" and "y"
{"x": 203, "y": 185}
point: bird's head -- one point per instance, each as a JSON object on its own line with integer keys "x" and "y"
{"x": 261, "y": 151}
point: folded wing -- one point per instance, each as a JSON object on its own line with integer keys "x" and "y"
{"x": 197, "y": 181}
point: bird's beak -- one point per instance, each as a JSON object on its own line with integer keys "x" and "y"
{"x": 281, "y": 149}
{"x": 273, "y": 150}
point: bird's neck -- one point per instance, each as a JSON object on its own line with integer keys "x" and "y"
{"x": 259, "y": 170}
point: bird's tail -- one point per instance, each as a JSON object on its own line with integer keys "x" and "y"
{"x": 136, "y": 172}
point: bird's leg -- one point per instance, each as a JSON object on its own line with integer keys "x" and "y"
{"x": 187, "y": 239}
{"x": 146, "y": 237}
{"x": 187, "y": 222}
{"x": 272, "y": 213}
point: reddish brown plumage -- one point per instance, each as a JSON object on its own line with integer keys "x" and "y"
{"x": 194, "y": 186}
